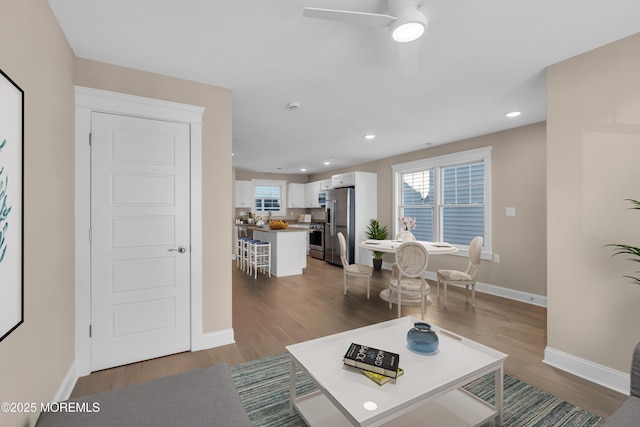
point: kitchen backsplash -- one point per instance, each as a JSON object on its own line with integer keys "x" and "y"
{"x": 293, "y": 214}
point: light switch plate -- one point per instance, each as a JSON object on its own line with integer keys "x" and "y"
{"x": 510, "y": 211}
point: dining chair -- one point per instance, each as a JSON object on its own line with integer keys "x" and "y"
{"x": 407, "y": 282}
{"x": 405, "y": 236}
{"x": 464, "y": 278}
{"x": 353, "y": 270}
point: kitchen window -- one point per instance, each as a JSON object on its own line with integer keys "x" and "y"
{"x": 270, "y": 197}
{"x": 449, "y": 196}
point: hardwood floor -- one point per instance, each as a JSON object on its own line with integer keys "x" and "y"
{"x": 269, "y": 314}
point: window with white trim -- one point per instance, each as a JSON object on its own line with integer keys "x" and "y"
{"x": 449, "y": 196}
{"x": 270, "y": 196}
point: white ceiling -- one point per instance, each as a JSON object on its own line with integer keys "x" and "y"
{"x": 477, "y": 60}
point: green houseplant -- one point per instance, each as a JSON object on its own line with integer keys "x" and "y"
{"x": 376, "y": 232}
{"x": 627, "y": 249}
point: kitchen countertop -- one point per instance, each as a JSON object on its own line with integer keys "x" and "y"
{"x": 268, "y": 230}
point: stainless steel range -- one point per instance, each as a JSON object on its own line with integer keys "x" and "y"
{"x": 316, "y": 240}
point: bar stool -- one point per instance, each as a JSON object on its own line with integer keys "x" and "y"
{"x": 239, "y": 251}
{"x": 260, "y": 258}
{"x": 244, "y": 252}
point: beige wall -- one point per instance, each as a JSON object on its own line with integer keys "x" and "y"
{"x": 216, "y": 167}
{"x": 35, "y": 358}
{"x": 518, "y": 167}
{"x": 593, "y": 150}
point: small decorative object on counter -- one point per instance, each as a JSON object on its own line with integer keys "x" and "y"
{"x": 278, "y": 224}
{"x": 422, "y": 339}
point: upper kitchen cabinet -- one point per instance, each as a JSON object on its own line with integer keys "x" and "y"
{"x": 326, "y": 184}
{"x": 296, "y": 195}
{"x": 311, "y": 194}
{"x": 344, "y": 180}
{"x": 245, "y": 194}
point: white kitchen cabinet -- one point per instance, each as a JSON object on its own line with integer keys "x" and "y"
{"x": 326, "y": 184}
{"x": 245, "y": 195}
{"x": 311, "y": 194}
{"x": 295, "y": 195}
{"x": 344, "y": 180}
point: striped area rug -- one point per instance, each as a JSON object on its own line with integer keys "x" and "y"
{"x": 263, "y": 386}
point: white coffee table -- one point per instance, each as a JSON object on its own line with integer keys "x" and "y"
{"x": 428, "y": 393}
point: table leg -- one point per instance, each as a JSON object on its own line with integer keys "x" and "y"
{"x": 292, "y": 387}
{"x": 499, "y": 394}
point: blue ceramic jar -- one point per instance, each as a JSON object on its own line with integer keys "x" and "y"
{"x": 422, "y": 339}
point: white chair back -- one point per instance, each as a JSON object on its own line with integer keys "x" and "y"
{"x": 343, "y": 250}
{"x": 405, "y": 236}
{"x": 475, "y": 250}
{"x": 412, "y": 259}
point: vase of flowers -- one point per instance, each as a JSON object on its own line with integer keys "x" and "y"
{"x": 406, "y": 224}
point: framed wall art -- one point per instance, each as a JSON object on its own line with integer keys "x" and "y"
{"x": 11, "y": 205}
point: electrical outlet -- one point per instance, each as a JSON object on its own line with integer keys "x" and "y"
{"x": 496, "y": 258}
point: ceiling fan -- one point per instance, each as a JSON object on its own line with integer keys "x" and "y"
{"x": 405, "y": 21}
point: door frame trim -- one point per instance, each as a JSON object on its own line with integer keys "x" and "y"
{"x": 90, "y": 100}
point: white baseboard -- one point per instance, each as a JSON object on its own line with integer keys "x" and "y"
{"x": 213, "y": 339}
{"x": 508, "y": 293}
{"x": 599, "y": 374}
{"x": 526, "y": 297}
{"x": 207, "y": 340}
{"x": 67, "y": 385}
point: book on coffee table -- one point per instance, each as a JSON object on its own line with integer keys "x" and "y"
{"x": 372, "y": 359}
{"x": 379, "y": 378}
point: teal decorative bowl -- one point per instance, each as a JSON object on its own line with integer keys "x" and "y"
{"x": 422, "y": 339}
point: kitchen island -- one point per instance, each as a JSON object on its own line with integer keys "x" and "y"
{"x": 288, "y": 248}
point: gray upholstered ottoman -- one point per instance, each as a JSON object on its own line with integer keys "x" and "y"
{"x": 204, "y": 397}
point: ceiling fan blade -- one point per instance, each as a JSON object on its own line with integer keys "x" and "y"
{"x": 349, "y": 17}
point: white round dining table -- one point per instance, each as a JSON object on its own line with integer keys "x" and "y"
{"x": 391, "y": 246}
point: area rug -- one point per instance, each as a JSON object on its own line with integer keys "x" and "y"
{"x": 263, "y": 386}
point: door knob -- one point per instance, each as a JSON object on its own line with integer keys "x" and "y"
{"x": 181, "y": 249}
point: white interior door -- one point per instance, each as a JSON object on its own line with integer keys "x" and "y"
{"x": 140, "y": 257}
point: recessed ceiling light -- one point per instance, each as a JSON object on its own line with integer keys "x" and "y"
{"x": 327, "y": 163}
{"x": 513, "y": 113}
{"x": 369, "y": 136}
{"x": 303, "y": 169}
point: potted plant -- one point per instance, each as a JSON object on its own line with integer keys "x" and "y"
{"x": 376, "y": 232}
{"x": 630, "y": 250}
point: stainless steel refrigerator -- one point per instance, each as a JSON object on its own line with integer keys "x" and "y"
{"x": 340, "y": 210}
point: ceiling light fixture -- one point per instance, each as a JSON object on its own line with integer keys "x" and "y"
{"x": 369, "y": 136}
{"x": 410, "y": 25}
{"x": 303, "y": 169}
{"x": 327, "y": 163}
{"x": 511, "y": 114}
